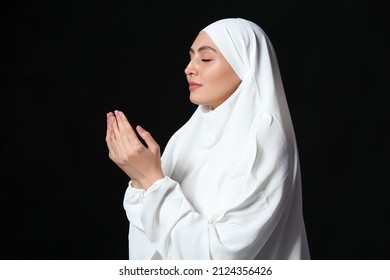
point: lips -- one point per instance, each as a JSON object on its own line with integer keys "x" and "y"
{"x": 194, "y": 86}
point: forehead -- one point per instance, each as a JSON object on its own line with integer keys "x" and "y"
{"x": 203, "y": 39}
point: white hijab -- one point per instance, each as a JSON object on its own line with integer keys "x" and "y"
{"x": 239, "y": 163}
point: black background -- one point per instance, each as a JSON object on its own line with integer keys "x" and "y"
{"x": 65, "y": 64}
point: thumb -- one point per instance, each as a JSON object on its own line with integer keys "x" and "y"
{"x": 147, "y": 137}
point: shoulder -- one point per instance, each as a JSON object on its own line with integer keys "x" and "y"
{"x": 274, "y": 136}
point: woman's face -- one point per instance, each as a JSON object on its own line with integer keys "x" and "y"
{"x": 211, "y": 78}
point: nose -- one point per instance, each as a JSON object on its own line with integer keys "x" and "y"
{"x": 190, "y": 69}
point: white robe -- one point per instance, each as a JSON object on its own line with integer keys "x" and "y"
{"x": 233, "y": 186}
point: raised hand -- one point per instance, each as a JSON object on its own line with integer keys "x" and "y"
{"x": 142, "y": 164}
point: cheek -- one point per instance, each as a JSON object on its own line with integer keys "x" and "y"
{"x": 220, "y": 80}
{"x": 215, "y": 76}
{"x": 229, "y": 80}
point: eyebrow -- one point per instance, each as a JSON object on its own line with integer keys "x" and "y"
{"x": 204, "y": 48}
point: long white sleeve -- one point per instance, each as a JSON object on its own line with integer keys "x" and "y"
{"x": 133, "y": 200}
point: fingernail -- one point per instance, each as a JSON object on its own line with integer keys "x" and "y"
{"x": 140, "y": 129}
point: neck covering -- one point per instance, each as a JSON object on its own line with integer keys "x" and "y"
{"x": 250, "y": 53}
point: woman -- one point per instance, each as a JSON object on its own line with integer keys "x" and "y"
{"x": 228, "y": 184}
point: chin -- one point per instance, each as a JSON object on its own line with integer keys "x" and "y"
{"x": 195, "y": 101}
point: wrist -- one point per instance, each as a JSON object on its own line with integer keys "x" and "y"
{"x": 135, "y": 184}
{"x": 148, "y": 182}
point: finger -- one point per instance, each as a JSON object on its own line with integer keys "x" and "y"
{"x": 149, "y": 140}
{"x": 111, "y": 139}
{"x": 112, "y": 126}
{"x": 109, "y": 129}
{"x": 110, "y": 134}
{"x": 124, "y": 126}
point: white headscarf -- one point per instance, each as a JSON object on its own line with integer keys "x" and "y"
{"x": 233, "y": 187}
{"x": 243, "y": 153}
